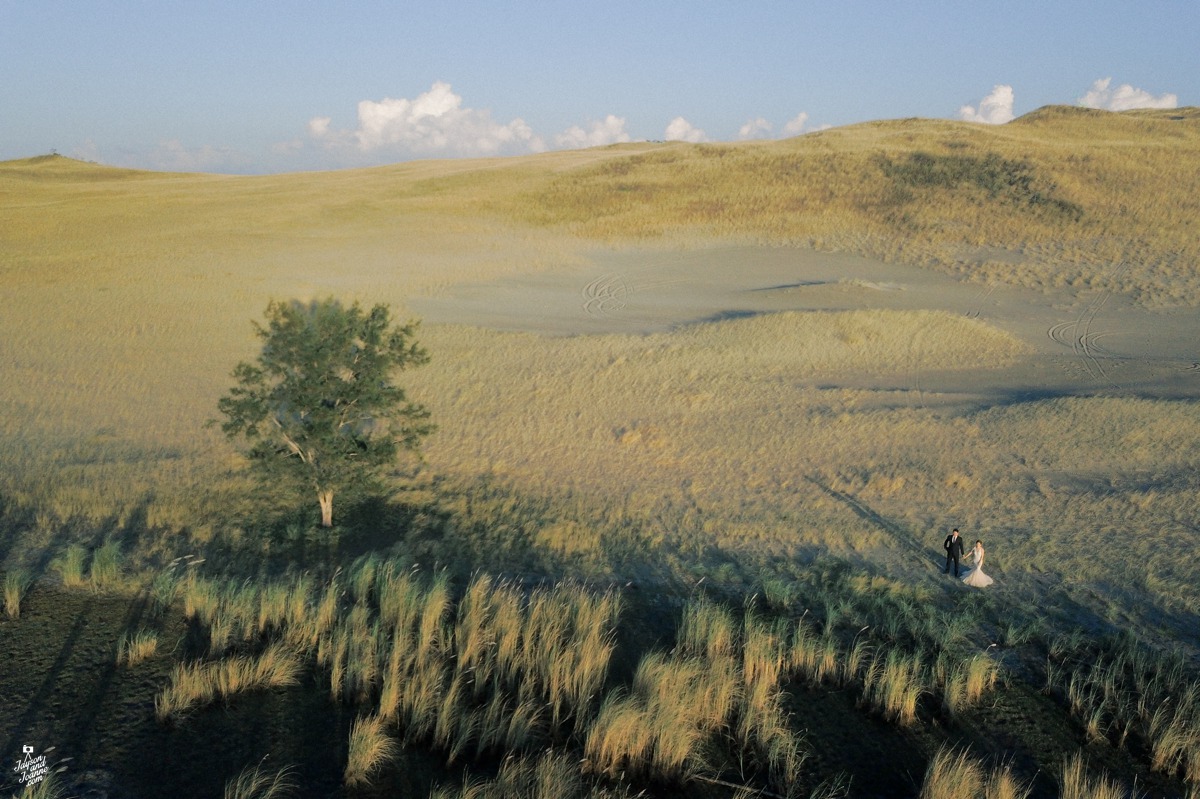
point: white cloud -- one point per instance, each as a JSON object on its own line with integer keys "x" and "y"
{"x": 169, "y": 155}
{"x": 173, "y": 156}
{"x": 434, "y": 123}
{"x": 995, "y": 109}
{"x": 795, "y": 125}
{"x": 88, "y": 151}
{"x": 287, "y": 148}
{"x": 319, "y": 126}
{"x": 609, "y": 131}
{"x": 1124, "y": 97}
{"x": 682, "y": 130}
{"x": 758, "y": 128}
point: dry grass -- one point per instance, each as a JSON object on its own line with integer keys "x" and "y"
{"x": 719, "y": 435}
{"x": 370, "y": 750}
{"x": 254, "y": 782}
{"x": 715, "y": 446}
{"x": 503, "y": 669}
{"x": 196, "y": 684}
{"x": 951, "y": 775}
{"x": 51, "y": 787}
{"x": 968, "y": 681}
{"x": 552, "y": 775}
{"x": 1120, "y": 686}
{"x": 71, "y": 566}
{"x": 16, "y": 583}
{"x": 136, "y": 648}
{"x": 721, "y": 689}
{"x": 1055, "y": 184}
{"x": 668, "y": 424}
{"x": 105, "y": 571}
{"x": 1076, "y": 783}
{"x": 894, "y": 683}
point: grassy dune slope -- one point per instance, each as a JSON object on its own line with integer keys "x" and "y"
{"x": 790, "y": 455}
{"x": 1073, "y": 190}
{"x": 129, "y": 297}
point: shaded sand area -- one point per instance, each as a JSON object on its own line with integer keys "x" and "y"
{"x": 1081, "y": 343}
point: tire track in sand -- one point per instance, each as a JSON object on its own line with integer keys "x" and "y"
{"x": 610, "y": 293}
{"x": 605, "y": 295}
{"x": 1078, "y": 335}
{"x": 978, "y": 301}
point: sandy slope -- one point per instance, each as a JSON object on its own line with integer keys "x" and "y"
{"x": 1083, "y": 343}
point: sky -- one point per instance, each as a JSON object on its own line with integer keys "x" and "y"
{"x": 256, "y": 86}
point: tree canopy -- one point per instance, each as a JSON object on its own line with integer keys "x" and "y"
{"x": 318, "y": 407}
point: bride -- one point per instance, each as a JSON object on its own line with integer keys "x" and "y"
{"x": 976, "y": 577}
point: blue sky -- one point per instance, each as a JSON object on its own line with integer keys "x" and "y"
{"x": 271, "y": 86}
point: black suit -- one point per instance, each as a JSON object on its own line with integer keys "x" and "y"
{"x": 954, "y": 551}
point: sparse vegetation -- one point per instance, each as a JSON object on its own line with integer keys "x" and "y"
{"x": 16, "y": 583}
{"x": 1124, "y": 692}
{"x": 197, "y": 684}
{"x": 50, "y": 787}
{"x": 132, "y": 650}
{"x": 71, "y": 565}
{"x": 549, "y": 776}
{"x": 954, "y": 774}
{"x": 1076, "y": 783}
{"x": 669, "y": 559}
{"x": 1011, "y": 182}
{"x": 106, "y": 566}
{"x": 255, "y": 782}
{"x": 922, "y": 190}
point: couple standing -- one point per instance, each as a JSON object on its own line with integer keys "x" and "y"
{"x": 954, "y": 551}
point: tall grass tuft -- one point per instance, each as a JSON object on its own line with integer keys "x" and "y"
{"x": 201, "y": 598}
{"x": 16, "y": 583}
{"x": 370, "y": 749}
{"x": 658, "y": 730}
{"x": 196, "y": 684}
{"x": 951, "y": 775}
{"x": 1076, "y": 783}
{"x": 965, "y": 682}
{"x": 163, "y": 590}
{"x": 502, "y": 728}
{"x": 362, "y": 578}
{"x": 708, "y": 630}
{"x": 50, "y": 787}
{"x": 71, "y": 566}
{"x": 136, "y": 648}
{"x": 552, "y": 775}
{"x": 894, "y": 684}
{"x": 1121, "y": 686}
{"x": 1002, "y": 784}
{"x": 106, "y": 566}
{"x": 255, "y": 783}
{"x": 274, "y": 601}
{"x": 719, "y": 689}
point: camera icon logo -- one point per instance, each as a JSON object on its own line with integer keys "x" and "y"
{"x": 28, "y": 750}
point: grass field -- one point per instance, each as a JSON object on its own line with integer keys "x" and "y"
{"x": 798, "y": 466}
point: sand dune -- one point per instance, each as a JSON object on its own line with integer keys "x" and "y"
{"x": 1081, "y": 342}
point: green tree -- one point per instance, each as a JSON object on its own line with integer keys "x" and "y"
{"x": 318, "y": 408}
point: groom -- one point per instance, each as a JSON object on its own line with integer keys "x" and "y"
{"x": 954, "y": 550}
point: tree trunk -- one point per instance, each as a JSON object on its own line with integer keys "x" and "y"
{"x": 325, "y": 497}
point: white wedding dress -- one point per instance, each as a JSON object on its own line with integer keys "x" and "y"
{"x": 976, "y": 577}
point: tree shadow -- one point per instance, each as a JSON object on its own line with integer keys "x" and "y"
{"x": 13, "y": 519}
